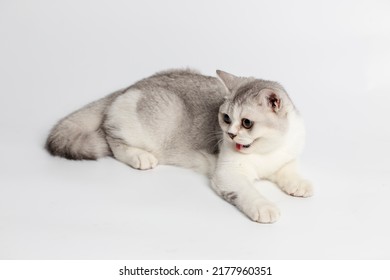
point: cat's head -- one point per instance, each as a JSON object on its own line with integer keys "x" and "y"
{"x": 254, "y": 116}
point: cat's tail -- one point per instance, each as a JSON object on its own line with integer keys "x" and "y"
{"x": 80, "y": 135}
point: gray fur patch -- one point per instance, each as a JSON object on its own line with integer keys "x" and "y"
{"x": 229, "y": 196}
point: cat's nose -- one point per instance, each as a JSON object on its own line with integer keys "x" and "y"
{"x": 231, "y": 135}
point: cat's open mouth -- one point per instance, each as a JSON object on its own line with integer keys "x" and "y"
{"x": 239, "y": 146}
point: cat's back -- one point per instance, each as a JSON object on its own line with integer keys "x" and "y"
{"x": 189, "y": 85}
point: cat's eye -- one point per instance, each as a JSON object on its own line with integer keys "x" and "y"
{"x": 246, "y": 123}
{"x": 226, "y": 118}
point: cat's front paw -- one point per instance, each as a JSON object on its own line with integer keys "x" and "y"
{"x": 262, "y": 212}
{"x": 300, "y": 188}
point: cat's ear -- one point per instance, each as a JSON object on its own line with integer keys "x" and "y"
{"x": 273, "y": 100}
{"x": 229, "y": 80}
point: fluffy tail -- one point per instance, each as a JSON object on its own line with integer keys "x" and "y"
{"x": 80, "y": 135}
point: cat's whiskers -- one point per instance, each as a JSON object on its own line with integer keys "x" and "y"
{"x": 211, "y": 137}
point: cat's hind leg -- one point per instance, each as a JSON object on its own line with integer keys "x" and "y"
{"x": 127, "y": 137}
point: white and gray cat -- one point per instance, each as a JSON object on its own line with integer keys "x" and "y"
{"x": 235, "y": 130}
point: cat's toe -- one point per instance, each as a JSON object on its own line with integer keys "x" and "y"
{"x": 147, "y": 161}
{"x": 143, "y": 161}
{"x": 264, "y": 212}
{"x": 302, "y": 189}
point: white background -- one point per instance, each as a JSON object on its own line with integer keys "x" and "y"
{"x": 333, "y": 57}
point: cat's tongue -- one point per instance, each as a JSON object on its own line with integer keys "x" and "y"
{"x": 238, "y": 146}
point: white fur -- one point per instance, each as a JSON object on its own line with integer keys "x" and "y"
{"x": 236, "y": 172}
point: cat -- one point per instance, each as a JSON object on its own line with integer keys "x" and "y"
{"x": 235, "y": 130}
